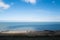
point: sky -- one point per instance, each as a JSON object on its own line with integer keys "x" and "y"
{"x": 30, "y": 10}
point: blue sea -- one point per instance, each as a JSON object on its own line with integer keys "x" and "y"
{"x": 29, "y": 26}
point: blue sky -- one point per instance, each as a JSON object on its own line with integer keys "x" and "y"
{"x": 30, "y": 10}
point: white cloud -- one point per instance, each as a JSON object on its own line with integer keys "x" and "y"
{"x": 3, "y": 5}
{"x": 30, "y": 1}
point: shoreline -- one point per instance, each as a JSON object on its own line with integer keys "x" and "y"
{"x": 31, "y": 33}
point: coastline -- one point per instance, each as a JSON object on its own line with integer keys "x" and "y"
{"x": 31, "y": 33}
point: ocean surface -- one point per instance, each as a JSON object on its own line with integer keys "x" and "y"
{"x": 4, "y": 26}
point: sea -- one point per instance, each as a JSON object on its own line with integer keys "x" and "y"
{"x": 39, "y": 26}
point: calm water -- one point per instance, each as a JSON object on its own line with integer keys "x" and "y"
{"x": 29, "y": 26}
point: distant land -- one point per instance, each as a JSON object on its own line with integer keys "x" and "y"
{"x": 30, "y": 33}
